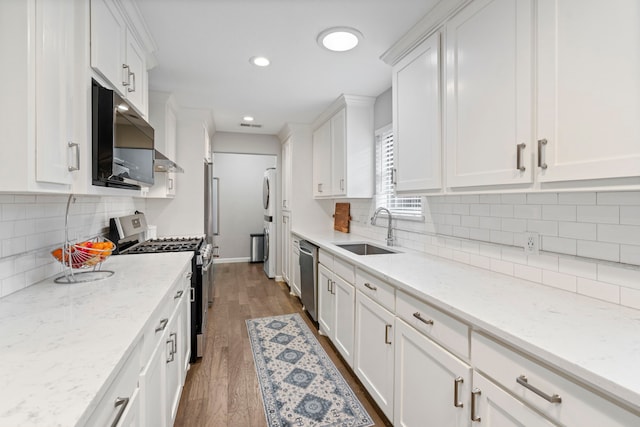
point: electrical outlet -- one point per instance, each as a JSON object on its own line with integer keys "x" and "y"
{"x": 531, "y": 243}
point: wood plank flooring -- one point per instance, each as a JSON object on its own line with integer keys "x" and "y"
{"x": 222, "y": 388}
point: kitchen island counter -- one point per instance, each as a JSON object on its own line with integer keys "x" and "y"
{"x": 62, "y": 344}
{"x": 594, "y": 342}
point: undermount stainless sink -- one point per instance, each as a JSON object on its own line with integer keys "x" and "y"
{"x": 365, "y": 249}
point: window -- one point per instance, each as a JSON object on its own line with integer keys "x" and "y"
{"x": 404, "y": 206}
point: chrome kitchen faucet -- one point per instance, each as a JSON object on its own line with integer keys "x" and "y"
{"x": 390, "y": 238}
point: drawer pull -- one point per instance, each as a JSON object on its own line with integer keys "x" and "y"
{"x": 163, "y": 324}
{"x": 456, "y": 385}
{"x": 122, "y": 402}
{"x": 370, "y": 286}
{"x": 542, "y": 164}
{"x": 418, "y": 316}
{"x": 178, "y": 294}
{"x": 474, "y": 397}
{"x": 386, "y": 334}
{"x": 519, "y": 149}
{"x": 554, "y": 398}
{"x": 333, "y": 287}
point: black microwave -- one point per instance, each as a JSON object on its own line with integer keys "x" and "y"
{"x": 122, "y": 142}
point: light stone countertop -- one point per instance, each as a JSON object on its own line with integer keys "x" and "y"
{"x": 594, "y": 341}
{"x": 62, "y": 344}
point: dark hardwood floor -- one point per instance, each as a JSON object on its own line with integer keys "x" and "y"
{"x": 222, "y": 388}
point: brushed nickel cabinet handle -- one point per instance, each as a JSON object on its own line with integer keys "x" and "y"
{"x": 418, "y": 316}
{"x": 386, "y": 334}
{"x": 333, "y": 287}
{"x": 320, "y": 188}
{"x": 127, "y": 74}
{"x": 171, "y": 356}
{"x": 174, "y": 342}
{"x": 71, "y": 146}
{"x": 170, "y": 183}
{"x": 474, "y": 397}
{"x": 134, "y": 82}
{"x": 162, "y": 325}
{"x": 329, "y": 285}
{"x": 178, "y": 294}
{"x": 456, "y": 385}
{"x": 541, "y": 144}
{"x": 553, "y": 398}
{"x": 121, "y": 402}
{"x": 370, "y": 286}
{"x": 519, "y": 149}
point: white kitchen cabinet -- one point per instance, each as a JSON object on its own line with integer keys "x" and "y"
{"x": 285, "y": 246}
{"x": 153, "y": 402}
{"x": 326, "y": 306}
{"x": 417, "y": 119}
{"x": 588, "y": 90}
{"x": 374, "y": 351}
{"x": 173, "y": 373}
{"x": 322, "y": 161}
{"x": 430, "y": 383}
{"x": 343, "y": 149}
{"x": 295, "y": 267}
{"x": 162, "y": 117}
{"x": 558, "y": 398}
{"x": 45, "y": 104}
{"x": 489, "y": 103}
{"x": 344, "y": 299}
{"x": 494, "y": 407}
{"x": 116, "y": 54}
{"x": 287, "y": 166}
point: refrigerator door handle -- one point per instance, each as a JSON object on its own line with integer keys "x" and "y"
{"x": 216, "y": 209}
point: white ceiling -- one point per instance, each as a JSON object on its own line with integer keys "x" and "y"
{"x": 204, "y": 48}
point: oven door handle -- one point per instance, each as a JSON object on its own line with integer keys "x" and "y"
{"x": 206, "y": 267}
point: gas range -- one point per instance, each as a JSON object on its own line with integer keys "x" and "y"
{"x": 167, "y": 244}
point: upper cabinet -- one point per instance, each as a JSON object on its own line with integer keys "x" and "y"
{"x": 162, "y": 117}
{"x": 489, "y": 134}
{"x": 45, "y": 105}
{"x": 417, "y": 118}
{"x": 343, "y": 149}
{"x": 116, "y": 54}
{"x": 588, "y": 90}
{"x": 287, "y": 164}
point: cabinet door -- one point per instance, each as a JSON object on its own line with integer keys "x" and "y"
{"x": 173, "y": 374}
{"x": 430, "y": 383}
{"x": 339, "y": 154}
{"x": 136, "y": 74}
{"x": 108, "y": 31}
{"x": 416, "y": 118}
{"x": 588, "y": 89}
{"x": 152, "y": 387}
{"x": 489, "y": 94}
{"x": 286, "y": 174}
{"x": 295, "y": 266}
{"x": 326, "y": 311}
{"x": 57, "y": 99}
{"x": 374, "y": 351}
{"x": 131, "y": 415}
{"x": 344, "y": 295}
{"x": 184, "y": 326}
{"x": 322, "y": 160}
{"x": 496, "y": 408}
{"x": 286, "y": 246}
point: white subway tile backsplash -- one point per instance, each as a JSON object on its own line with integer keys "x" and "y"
{"x": 558, "y": 213}
{"x": 460, "y": 256}
{"x": 626, "y": 234}
{"x": 491, "y": 251}
{"x": 577, "y": 230}
{"x": 543, "y": 261}
{"x": 599, "y": 214}
{"x": 470, "y": 198}
{"x": 559, "y": 245}
{"x": 630, "y": 297}
{"x": 502, "y": 211}
{"x": 503, "y": 267}
{"x": 480, "y": 210}
{"x": 599, "y": 250}
{"x": 599, "y": 290}
{"x": 514, "y": 199}
{"x": 480, "y": 234}
{"x": 527, "y": 211}
{"x": 13, "y": 284}
{"x": 514, "y": 255}
{"x": 461, "y": 209}
{"x": 619, "y": 198}
{"x": 630, "y": 215}
{"x": 526, "y": 272}
{"x": 462, "y": 232}
{"x": 548, "y": 228}
{"x": 542, "y": 198}
{"x": 490, "y": 198}
{"x": 490, "y": 223}
{"x": 587, "y": 198}
{"x": 480, "y": 261}
{"x": 630, "y": 254}
{"x": 470, "y": 246}
{"x": 470, "y": 221}
{"x": 559, "y": 280}
{"x": 578, "y": 267}
{"x": 619, "y": 275}
{"x": 501, "y": 237}
{"x": 514, "y": 225}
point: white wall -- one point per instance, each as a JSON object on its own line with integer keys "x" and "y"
{"x": 184, "y": 214}
{"x": 240, "y": 197}
{"x": 31, "y": 226}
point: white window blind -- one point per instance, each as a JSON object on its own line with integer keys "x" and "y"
{"x": 404, "y": 206}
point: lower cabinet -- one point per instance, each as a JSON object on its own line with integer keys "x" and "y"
{"x": 374, "y": 352}
{"x": 326, "y": 306}
{"x": 295, "y": 267}
{"x": 431, "y": 385}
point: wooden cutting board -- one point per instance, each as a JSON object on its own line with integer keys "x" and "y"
{"x": 342, "y": 217}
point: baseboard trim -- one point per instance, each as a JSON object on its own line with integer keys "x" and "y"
{"x": 230, "y": 260}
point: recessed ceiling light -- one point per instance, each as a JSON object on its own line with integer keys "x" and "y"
{"x": 260, "y": 61}
{"x": 247, "y": 118}
{"x": 339, "y": 39}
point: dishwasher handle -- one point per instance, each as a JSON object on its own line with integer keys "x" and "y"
{"x": 306, "y": 252}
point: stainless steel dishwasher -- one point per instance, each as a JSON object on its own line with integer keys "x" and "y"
{"x": 309, "y": 277}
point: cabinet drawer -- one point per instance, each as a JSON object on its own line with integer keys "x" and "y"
{"x": 376, "y": 289}
{"x": 325, "y": 259}
{"x": 121, "y": 396}
{"x": 573, "y": 406}
{"x": 344, "y": 269}
{"x": 441, "y": 327}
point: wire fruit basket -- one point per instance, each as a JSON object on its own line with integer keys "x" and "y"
{"x": 82, "y": 261}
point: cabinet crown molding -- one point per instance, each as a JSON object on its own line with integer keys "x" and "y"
{"x": 341, "y": 102}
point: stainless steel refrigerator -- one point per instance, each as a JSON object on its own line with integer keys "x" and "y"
{"x": 211, "y": 217}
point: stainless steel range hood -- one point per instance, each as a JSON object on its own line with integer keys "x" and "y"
{"x": 164, "y": 164}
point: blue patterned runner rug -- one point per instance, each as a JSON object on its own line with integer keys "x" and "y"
{"x": 299, "y": 383}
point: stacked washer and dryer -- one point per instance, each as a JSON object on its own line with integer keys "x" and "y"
{"x": 270, "y": 236}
